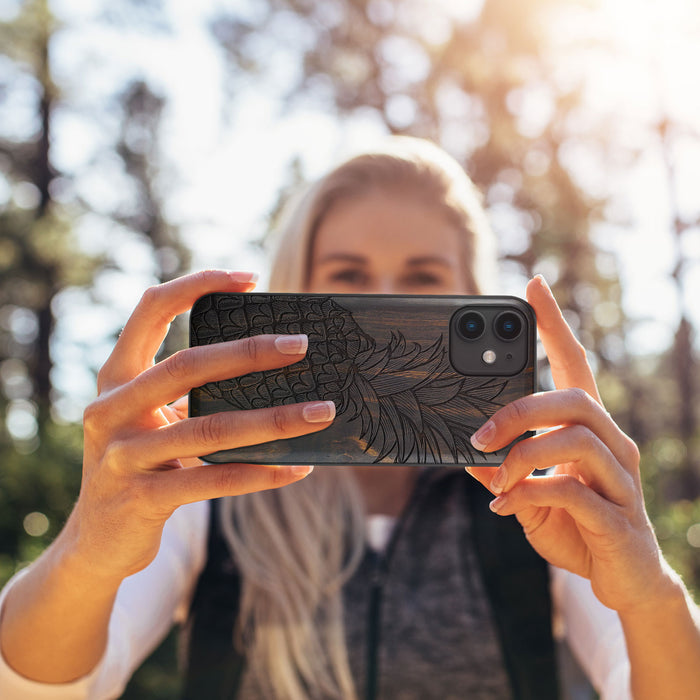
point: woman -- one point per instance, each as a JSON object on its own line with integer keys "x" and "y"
{"x": 406, "y": 220}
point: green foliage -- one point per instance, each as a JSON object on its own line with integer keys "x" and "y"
{"x": 38, "y": 476}
{"x": 678, "y": 530}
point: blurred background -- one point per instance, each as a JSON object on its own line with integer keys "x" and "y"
{"x": 141, "y": 139}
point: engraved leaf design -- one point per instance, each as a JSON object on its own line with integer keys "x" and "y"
{"x": 416, "y": 407}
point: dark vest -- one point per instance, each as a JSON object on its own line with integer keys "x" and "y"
{"x": 513, "y": 577}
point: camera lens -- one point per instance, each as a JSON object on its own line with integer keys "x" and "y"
{"x": 471, "y": 325}
{"x": 508, "y": 325}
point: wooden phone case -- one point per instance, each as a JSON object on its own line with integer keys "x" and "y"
{"x": 382, "y": 359}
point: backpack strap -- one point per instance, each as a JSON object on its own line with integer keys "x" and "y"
{"x": 517, "y": 584}
{"x": 214, "y": 667}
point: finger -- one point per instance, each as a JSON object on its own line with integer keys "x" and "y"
{"x": 180, "y": 407}
{"x": 567, "y": 357}
{"x": 585, "y": 455}
{"x": 175, "y": 488}
{"x": 194, "y": 437}
{"x": 584, "y": 505}
{"x": 148, "y": 324}
{"x": 171, "y": 378}
{"x": 556, "y": 408}
{"x": 483, "y": 475}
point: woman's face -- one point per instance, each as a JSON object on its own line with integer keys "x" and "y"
{"x": 386, "y": 244}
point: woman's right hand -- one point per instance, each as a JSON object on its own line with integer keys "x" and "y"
{"x": 140, "y": 453}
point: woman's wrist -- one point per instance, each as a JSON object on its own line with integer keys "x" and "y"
{"x": 74, "y": 557}
{"x": 666, "y": 595}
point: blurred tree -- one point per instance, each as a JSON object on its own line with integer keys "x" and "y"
{"x": 38, "y": 257}
{"x": 686, "y": 484}
{"x": 138, "y": 147}
{"x": 479, "y": 80}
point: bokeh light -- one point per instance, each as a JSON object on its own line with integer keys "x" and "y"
{"x": 36, "y": 524}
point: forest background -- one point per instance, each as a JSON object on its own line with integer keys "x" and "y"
{"x": 141, "y": 139}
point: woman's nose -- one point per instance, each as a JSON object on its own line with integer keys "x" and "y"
{"x": 387, "y": 285}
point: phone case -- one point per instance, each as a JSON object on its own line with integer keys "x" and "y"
{"x": 384, "y": 360}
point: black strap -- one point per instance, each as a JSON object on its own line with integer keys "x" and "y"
{"x": 517, "y": 583}
{"x": 214, "y": 666}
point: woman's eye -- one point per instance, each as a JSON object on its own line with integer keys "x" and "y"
{"x": 424, "y": 279}
{"x": 350, "y": 276}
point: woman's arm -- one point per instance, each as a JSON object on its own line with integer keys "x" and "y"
{"x": 663, "y": 645}
{"x": 150, "y": 601}
{"x": 139, "y": 465}
{"x": 588, "y": 514}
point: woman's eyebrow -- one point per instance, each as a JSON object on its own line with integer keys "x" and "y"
{"x": 343, "y": 257}
{"x": 430, "y": 260}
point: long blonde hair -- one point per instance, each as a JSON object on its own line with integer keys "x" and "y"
{"x": 296, "y": 546}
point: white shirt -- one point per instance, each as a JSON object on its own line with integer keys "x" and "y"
{"x": 149, "y": 602}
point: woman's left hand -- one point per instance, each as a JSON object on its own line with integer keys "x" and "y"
{"x": 587, "y": 514}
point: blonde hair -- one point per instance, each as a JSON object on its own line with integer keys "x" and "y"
{"x": 405, "y": 165}
{"x": 296, "y": 546}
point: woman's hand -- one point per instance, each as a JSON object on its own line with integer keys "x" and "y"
{"x": 587, "y": 515}
{"x": 140, "y": 448}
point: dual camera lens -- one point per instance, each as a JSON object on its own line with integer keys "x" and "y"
{"x": 492, "y": 337}
{"x": 507, "y": 325}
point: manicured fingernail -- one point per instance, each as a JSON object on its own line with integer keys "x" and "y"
{"x": 499, "y": 480}
{"x": 301, "y": 472}
{"x": 484, "y": 435}
{"x": 319, "y": 412}
{"x": 543, "y": 282}
{"x": 243, "y": 277}
{"x": 292, "y": 344}
{"x": 497, "y": 504}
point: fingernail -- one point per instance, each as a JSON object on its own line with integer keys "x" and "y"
{"x": 292, "y": 344}
{"x": 543, "y": 282}
{"x": 499, "y": 480}
{"x": 483, "y": 436}
{"x": 243, "y": 277}
{"x": 301, "y": 472}
{"x": 497, "y": 504}
{"x": 320, "y": 412}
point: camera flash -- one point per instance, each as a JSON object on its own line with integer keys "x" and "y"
{"x": 489, "y": 357}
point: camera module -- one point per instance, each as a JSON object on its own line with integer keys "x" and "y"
{"x": 508, "y": 325}
{"x": 471, "y": 325}
{"x": 491, "y": 337}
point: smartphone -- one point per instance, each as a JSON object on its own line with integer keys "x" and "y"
{"x": 412, "y": 377}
